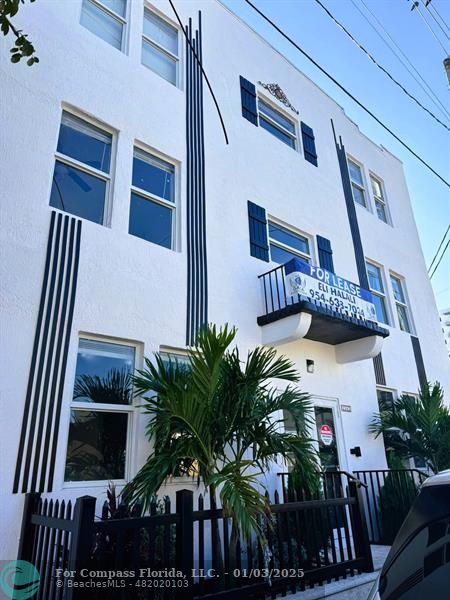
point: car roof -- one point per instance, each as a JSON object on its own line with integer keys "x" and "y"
{"x": 442, "y": 478}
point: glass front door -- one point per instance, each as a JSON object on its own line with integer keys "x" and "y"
{"x": 327, "y": 439}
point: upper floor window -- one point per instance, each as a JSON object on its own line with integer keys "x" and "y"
{"x": 152, "y": 209}
{"x": 378, "y": 195}
{"x": 376, "y": 286}
{"x": 101, "y": 410}
{"x": 277, "y": 124}
{"x": 357, "y": 181}
{"x": 105, "y": 18}
{"x": 82, "y": 175}
{"x": 400, "y": 303}
{"x": 285, "y": 244}
{"x": 160, "y": 46}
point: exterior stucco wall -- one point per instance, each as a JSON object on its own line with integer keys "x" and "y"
{"x": 132, "y": 290}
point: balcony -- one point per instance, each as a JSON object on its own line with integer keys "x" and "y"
{"x": 304, "y": 301}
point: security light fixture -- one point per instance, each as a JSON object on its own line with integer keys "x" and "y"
{"x": 309, "y": 366}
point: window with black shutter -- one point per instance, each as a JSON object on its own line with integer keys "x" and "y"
{"x": 248, "y": 100}
{"x": 325, "y": 253}
{"x": 257, "y": 224}
{"x": 309, "y": 144}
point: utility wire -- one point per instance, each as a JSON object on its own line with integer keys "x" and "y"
{"x": 341, "y": 87}
{"x": 417, "y": 7}
{"x": 437, "y": 251}
{"x": 199, "y": 62}
{"x": 403, "y": 58}
{"x": 439, "y": 262}
{"x": 438, "y": 14}
{"x": 385, "y": 71}
{"x": 435, "y": 20}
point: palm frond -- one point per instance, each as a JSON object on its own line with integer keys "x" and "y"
{"x": 241, "y": 499}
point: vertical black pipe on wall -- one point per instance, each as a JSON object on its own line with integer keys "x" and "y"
{"x": 197, "y": 286}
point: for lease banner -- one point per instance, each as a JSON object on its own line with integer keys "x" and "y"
{"x": 321, "y": 286}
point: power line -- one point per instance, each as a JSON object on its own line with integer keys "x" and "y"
{"x": 438, "y": 14}
{"x": 199, "y": 62}
{"x": 416, "y": 7}
{"x": 437, "y": 251}
{"x": 442, "y": 256}
{"x": 403, "y": 58}
{"x": 341, "y": 87}
{"x": 385, "y": 71}
{"x": 435, "y": 20}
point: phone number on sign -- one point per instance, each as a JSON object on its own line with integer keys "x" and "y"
{"x": 336, "y": 303}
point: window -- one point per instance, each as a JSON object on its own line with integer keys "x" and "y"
{"x": 385, "y": 399}
{"x": 82, "y": 174}
{"x": 276, "y": 124}
{"x": 160, "y": 46}
{"x": 178, "y": 357}
{"x": 380, "y": 202}
{"x": 101, "y": 412}
{"x": 285, "y": 244}
{"x": 357, "y": 181}
{"x": 152, "y": 199}
{"x": 400, "y": 302}
{"x": 105, "y": 18}
{"x": 378, "y": 294}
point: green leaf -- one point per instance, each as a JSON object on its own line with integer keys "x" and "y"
{"x": 15, "y": 58}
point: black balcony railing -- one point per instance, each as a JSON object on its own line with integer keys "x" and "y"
{"x": 330, "y": 326}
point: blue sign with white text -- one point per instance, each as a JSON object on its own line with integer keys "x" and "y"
{"x": 322, "y": 286}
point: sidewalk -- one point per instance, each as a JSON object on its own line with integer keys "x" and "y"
{"x": 352, "y": 588}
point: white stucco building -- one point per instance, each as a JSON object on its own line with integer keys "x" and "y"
{"x": 127, "y": 222}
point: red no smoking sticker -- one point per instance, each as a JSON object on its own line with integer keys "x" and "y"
{"x": 326, "y": 434}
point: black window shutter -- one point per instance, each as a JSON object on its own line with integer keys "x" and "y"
{"x": 325, "y": 253}
{"x": 248, "y": 99}
{"x": 309, "y": 145}
{"x": 257, "y": 224}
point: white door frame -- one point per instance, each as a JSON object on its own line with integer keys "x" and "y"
{"x": 333, "y": 403}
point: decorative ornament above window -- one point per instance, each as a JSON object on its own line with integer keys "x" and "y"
{"x": 276, "y": 91}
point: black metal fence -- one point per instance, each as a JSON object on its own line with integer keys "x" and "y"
{"x": 193, "y": 553}
{"x": 388, "y": 496}
{"x": 333, "y": 484}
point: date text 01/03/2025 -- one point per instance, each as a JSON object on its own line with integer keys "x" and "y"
{"x": 249, "y": 573}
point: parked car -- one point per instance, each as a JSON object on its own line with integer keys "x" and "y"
{"x": 418, "y": 564}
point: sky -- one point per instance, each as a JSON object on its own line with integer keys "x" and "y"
{"x": 307, "y": 23}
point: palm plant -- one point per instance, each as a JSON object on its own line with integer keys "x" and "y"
{"x": 417, "y": 427}
{"x": 218, "y": 418}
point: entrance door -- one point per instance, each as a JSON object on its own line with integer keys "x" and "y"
{"x": 328, "y": 434}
